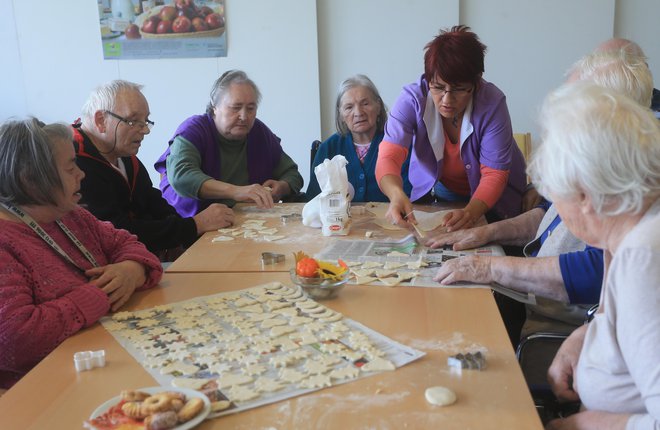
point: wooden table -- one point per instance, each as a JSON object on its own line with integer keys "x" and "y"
{"x": 244, "y": 255}
{"x": 439, "y": 321}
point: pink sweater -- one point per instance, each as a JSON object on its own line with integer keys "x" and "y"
{"x": 43, "y": 298}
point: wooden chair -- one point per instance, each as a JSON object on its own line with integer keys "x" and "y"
{"x": 524, "y": 142}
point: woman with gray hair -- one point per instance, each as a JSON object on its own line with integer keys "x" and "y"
{"x": 62, "y": 269}
{"x": 599, "y": 162}
{"x": 226, "y": 155}
{"x": 360, "y": 116}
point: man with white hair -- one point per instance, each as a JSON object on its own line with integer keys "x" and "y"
{"x": 117, "y": 188}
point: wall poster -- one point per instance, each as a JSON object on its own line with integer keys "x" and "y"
{"x": 137, "y": 29}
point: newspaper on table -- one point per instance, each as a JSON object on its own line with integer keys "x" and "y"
{"x": 413, "y": 262}
{"x": 254, "y": 346}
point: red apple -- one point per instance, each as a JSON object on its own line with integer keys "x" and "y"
{"x": 199, "y": 24}
{"x": 187, "y": 12}
{"x": 151, "y": 24}
{"x": 132, "y": 32}
{"x": 164, "y": 27}
{"x": 214, "y": 21}
{"x": 168, "y": 13}
{"x": 181, "y": 25}
{"x": 205, "y": 10}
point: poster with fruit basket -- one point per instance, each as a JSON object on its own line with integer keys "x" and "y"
{"x": 137, "y": 29}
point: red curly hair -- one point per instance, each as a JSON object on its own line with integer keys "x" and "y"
{"x": 455, "y": 56}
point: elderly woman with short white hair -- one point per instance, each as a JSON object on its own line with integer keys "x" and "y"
{"x": 599, "y": 162}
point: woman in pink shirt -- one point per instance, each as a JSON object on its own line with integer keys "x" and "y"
{"x": 61, "y": 269}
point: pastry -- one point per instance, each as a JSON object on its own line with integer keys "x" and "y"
{"x": 190, "y": 409}
{"x": 161, "y": 421}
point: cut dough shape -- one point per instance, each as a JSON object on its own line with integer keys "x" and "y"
{"x": 371, "y": 265}
{"x": 254, "y": 369}
{"x": 220, "y": 405}
{"x": 192, "y": 383}
{"x": 316, "y": 381}
{"x": 289, "y": 312}
{"x": 244, "y": 301}
{"x": 390, "y": 282}
{"x": 291, "y": 375}
{"x": 348, "y": 372}
{"x": 226, "y": 230}
{"x": 273, "y": 322}
{"x": 365, "y": 280}
{"x": 222, "y": 239}
{"x": 398, "y": 254}
{"x": 315, "y": 367}
{"x": 268, "y": 385}
{"x": 182, "y": 368}
{"x": 295, "y": 321}
{"x": 232, "y": 379}
{"x": 407, "y": 276}
{"x": 393, "y": 265}
{"x": 242, "y": 394}
{"x": 281, "y": 330}
{"x": 273, "y": 238}
{"x": 333, "y": 318}
{"x": 256, "y": 309}
{"x": 268, "y": 231}
{"x": 441, "y": 396}
{"x": 362, "y": 273}
{"x": 384, "y": 273}
{"x": 378, "y": 364}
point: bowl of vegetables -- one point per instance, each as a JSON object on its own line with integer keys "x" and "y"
{"x": 319, "y": 279}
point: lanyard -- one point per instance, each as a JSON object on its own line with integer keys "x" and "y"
{"x": 30, "y": 222}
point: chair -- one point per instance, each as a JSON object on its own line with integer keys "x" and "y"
{"x": 535, "y": 353}
{"x": 524, "y": 142}
{"x": 314, "y": 149}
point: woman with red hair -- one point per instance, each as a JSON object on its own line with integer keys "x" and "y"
{"x": 458, "y": 128}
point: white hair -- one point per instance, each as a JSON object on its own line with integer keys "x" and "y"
{"x": 620, "y": 70}
{"x": 598, "y": 142}
{"x": 103, "y": 98}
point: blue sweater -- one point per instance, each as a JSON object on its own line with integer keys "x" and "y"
{"x": 361, "y": 176}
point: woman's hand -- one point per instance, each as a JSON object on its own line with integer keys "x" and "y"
{"x": 562, "y": 369}
{"x": 466, "y": 217}
{"x": 400, "y": 211}
{"x": 278, "y": 189}
{"x": 461, "y": 239}
{"x": 214, "y": 217}
{"x": 470, "y": 268}
{"x": 253, "y": 193}
{"x": 118, "y": 280}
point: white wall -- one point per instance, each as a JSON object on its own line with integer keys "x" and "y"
{"x": 61, "y": 62}
{"x": 382, "y": 39}
{"x": 298, "y": 51}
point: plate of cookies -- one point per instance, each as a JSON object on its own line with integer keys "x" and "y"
{"x": 152, "y": 408}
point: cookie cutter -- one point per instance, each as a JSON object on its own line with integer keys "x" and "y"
{"x": 290, "y": 217}
{"x": 469, "y": 360}
{"x": 271, "y": 258}
{"x": 87, "y": 360}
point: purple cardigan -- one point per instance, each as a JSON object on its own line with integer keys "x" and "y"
{"x": 490, "y": 143}
{"x": 263, "y": 153}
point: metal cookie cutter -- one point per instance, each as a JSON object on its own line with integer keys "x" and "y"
{"x": 290, "y": 217}
{"x": 87, "y": 360}
{"x": 470, "y": 360}
{"x": 271, "y": 258}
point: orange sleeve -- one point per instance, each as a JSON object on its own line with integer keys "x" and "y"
{"x": 491, "y": 186}
{"x": 390, "y": 159}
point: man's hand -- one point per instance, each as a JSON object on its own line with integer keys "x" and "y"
{"x": 118, "y": 280}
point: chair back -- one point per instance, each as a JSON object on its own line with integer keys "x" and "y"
{"x": 524, "y": 142}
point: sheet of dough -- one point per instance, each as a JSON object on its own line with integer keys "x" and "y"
{"x": 426, "y": 221}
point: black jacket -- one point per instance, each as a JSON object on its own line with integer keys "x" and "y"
{"x": 134, "y": 205}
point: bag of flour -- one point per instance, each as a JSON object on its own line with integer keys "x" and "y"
{"x": 335, "y": 198}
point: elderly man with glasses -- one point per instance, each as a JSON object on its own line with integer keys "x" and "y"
{"x": 117, "y": 188}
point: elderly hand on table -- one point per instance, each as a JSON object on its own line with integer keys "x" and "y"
{"x": 118, "y": 280}
{"x": 465, "y": 218}
{"x": 214, "y": 217}
{"x": 462, "y": 239}
{"x": 472, "y": 268}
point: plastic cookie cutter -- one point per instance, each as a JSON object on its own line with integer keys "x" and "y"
{"x": 87, "y": 360}
{"x": 469, "y": 360}
{"x": 271, "y": 258}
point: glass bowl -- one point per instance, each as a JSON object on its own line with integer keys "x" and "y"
{"x": 320, "y": 288}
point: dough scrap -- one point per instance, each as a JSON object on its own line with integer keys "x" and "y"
{"x": 273, "y": 238}
{"x": 441, "y": 396}
{"x": 378, "y": 364}
{"x": 222, "y": 239}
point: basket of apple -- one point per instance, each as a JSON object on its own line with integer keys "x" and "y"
{"x": 183, "y": 19}
{"x": 319, "y": 279}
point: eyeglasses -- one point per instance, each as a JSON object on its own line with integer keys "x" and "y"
{"x": 133, "y": 123}
{"x": 456, "y": 92}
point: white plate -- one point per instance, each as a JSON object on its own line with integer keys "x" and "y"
{"x": 154, "y": 390}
